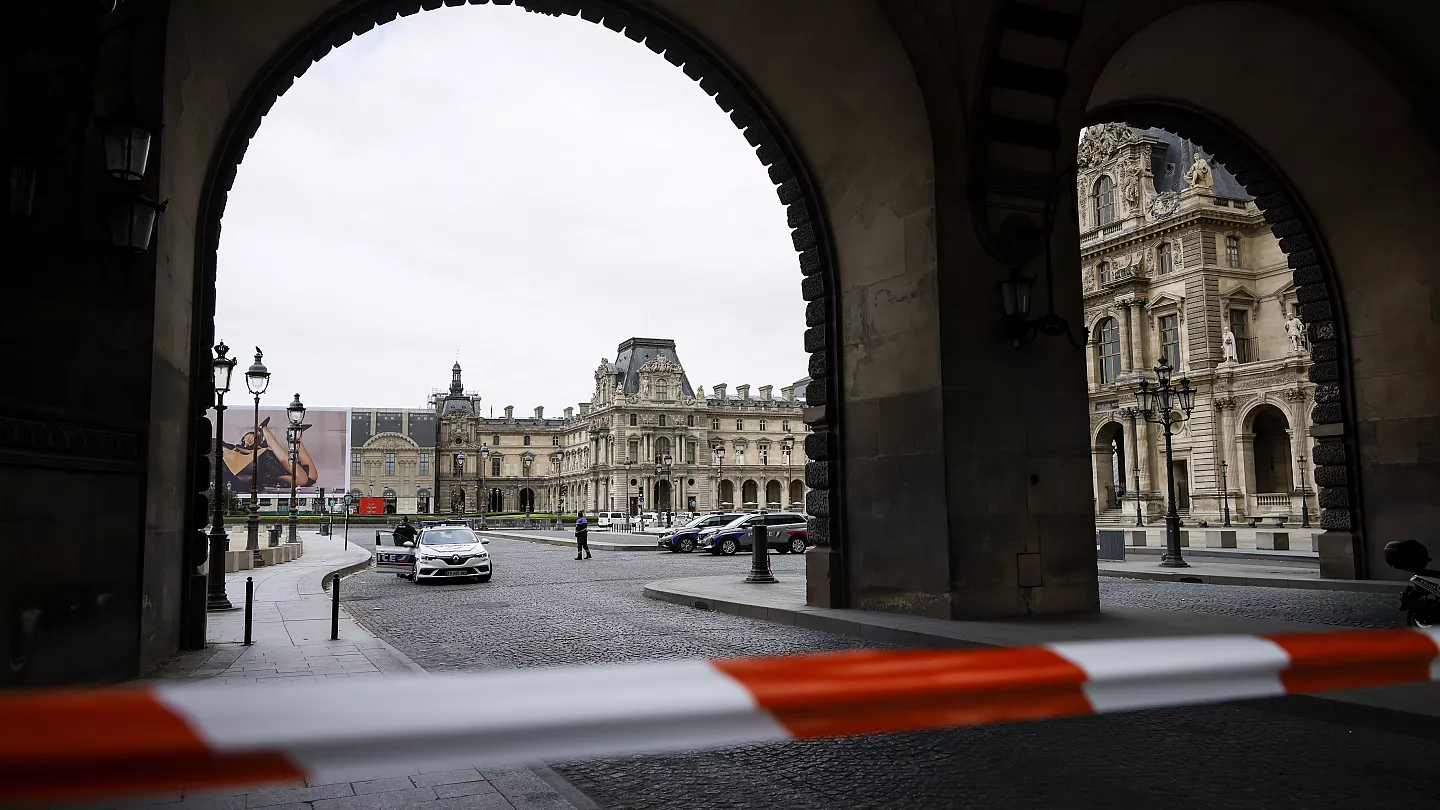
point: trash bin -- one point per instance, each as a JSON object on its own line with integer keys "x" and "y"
{"x": 275, "y": 535}
{"x": 324, "y": 529}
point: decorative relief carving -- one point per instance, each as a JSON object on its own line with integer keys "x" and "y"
{"x": 1102, "y": 141}
{"x": 1164, "y": 205}
{"x": 1225, "y": 403}
{"x": 40, "y": 436}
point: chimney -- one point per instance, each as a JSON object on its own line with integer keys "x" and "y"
{"x": 569, "y": 413}
{"x": 720, "y": 392}
{"x": 509, "y": 411}
{"x": 787, "y": 393}
{"x": 539, "y": 411}
{"x": 584, "y": 408}
{"x": 743, "y": 391}
{"x": 765, "y": 392}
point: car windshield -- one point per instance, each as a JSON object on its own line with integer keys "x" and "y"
{"x": 703, "y": 520}
{"x": 447, "y": 537}
{"x": 740, "y": 521}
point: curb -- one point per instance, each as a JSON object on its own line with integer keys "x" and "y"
{"x": 1350, "y": 585}
{"x": 595, "y": 545}
{"x": 1234, "y": 556}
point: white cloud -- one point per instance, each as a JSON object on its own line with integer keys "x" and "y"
{"x": 529, "y": 191}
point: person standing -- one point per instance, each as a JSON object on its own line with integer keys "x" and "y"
{"x": 405, "y": 533}
{"x": 581, "y": 544}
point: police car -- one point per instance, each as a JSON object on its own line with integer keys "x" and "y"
{"x": 445, "y": 549}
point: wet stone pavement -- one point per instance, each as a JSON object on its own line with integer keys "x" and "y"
{"x": 544, "y": 608}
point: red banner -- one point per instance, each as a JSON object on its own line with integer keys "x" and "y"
{"x": 371, "y": 506}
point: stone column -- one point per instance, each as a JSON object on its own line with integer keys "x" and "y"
{"x": 1135, "y": 338}
{"x": 1245, "y": 480}
{"x": 1127, "y": 349}
{"x": 1132, "y": 450}
{"x": 1100, "y": 469}
{"x": 1091, "y": 376}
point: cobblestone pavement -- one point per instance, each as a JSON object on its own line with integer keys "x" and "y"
{"x": 544, "y": 609}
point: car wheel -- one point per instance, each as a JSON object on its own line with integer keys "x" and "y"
{"x": 797, "y": 544}
{"x": 728, "y": 547}
{"x": 687, "y": 545}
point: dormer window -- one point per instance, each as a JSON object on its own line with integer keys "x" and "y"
{"x": 1104, "y": 201}
{"x": 662, "y": 390}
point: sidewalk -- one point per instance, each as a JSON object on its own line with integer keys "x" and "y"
{"x": 1269, "y": 573}
{"x": 291, "y": 627}
{"x": 1301, "y": 539}
{"x": 1412, "y": 709}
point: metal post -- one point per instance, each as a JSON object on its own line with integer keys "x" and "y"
{"x": 347, "y": 525}
{"x": 252, "y": 523}
{"x": 1225, "y": 489}
{"x": 219, "y": 541}
{"x": 249, "y": 607}
{"x": 335, "y": 607}
{"x": 1304, "y": 501}
{"x": 1173, "y": 558}
{"x": 294, "y": 456}
{"x": 760, "y": 554}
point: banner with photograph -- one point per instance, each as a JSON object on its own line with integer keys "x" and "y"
{"x": 322, "y": 450}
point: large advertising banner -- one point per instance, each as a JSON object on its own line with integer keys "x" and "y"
{"x": 322, "y": 450}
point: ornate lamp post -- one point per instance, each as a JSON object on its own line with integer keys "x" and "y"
{"x": 719, "y": 453}
{"x": 460, "y": 475}
{"x": 257, "y": 379}
{"x": 559, "y": 485}
{"x": 1139, "y": 511}
{"x": 296, "y": 412}
{"x": 222, "y": 367}
{"x": 662, "y": 470}
{"x": 786, "y": 445}
{"x": 1304, "y": 501}
{"x": 1159, "y": 405}
{"x": 484, "y": 498}
{"x": 1225, "y": 489}
{"x": 629, "y": 464}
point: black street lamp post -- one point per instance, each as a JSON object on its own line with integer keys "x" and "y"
{"x": 216, "y": 599}
{"x": 296, "y": 412}
{"x": 1225, "y": 489}
{"x": 1139, "y": 509}
{"x": 719, "y": 453}
{"x": 484, "y": 495}
{"x": 1159, "y": 405}
{"x": 662, "y": 470}
{"x": 1304, "y": 501}
{"x": 787, "y": 444}
{"x": 257, "y": 379}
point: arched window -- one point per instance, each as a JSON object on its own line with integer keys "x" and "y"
{"x": 1164, "y": 259}
{"x": 1104, "y": 201}
{"x": 1108, "y": 349}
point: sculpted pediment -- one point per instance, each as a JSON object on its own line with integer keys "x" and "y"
{"x": 390, "y": 441}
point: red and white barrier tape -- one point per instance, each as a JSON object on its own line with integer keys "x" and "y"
{"x": 77, "y": 744}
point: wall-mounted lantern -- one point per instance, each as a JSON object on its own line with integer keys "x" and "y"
{"x": 127, "y": 145}
{"x": 132, "y": 222}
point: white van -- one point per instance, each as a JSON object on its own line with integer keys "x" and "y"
{"x": 605, "y": 521}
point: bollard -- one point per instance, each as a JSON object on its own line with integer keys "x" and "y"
{"x": 249, "y": 605}
{"x": 335, "y": 608}
{"x": 760, "y": 554}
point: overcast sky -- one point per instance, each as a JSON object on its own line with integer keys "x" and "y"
{"x": 524, "y": 190}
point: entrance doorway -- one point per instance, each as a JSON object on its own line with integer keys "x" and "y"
{"x": 1182, "y": 485}
{"x": 1272, "y": 450}
{"x": 527, "y": 500}
{"x": 662, "y": 496}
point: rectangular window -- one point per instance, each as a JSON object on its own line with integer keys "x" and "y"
{"x": 527, "y": 441}
{"x": 555, "y": 440}
{"x": 355, "y": 463}
{"x": 495, "y": 466}
{"x": 1164, "y": 258}
{"x": 424, "y": 463}
{"x": 785, "y": 426}
{"x": 1232, "y": 251}
{"x": 1109, "y": 348}
{"x": 662, "y": 390}
{"x": 634, "y": 420}
{"x": 1240, "y": 326}
{"x": 762, "y": 425}
{"x": 389, "y": 463}
{"x": 690, "y": 452}
{"x": 495, "y": 440}
{"x": 634, "y": 450}
{"x": 715, "y": 424}
{"x": 662, "y": 420}
{"x": 764, "y": 454}
{"x": 739, "y": 424}
{"x": 1170, "y": 339}
{"x": 689, "y": 420}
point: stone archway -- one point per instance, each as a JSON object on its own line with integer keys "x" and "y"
{"x": 527, "y": 500}
{"x": 670, "y": 40}
{"x": 773, "y": 496}
{"x": 797, "y": 495}
{"x": 749, "y": 494}
{"x": 1109, "y": 463}
{"x": 727, "y": 495}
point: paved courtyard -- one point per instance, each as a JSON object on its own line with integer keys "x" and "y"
{"x": 546, "y": 609}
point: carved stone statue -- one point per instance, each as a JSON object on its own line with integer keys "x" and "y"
{"x": 1295, "y": 330}
{"x": 1199, "y": 174}
{"x": 1227, "y": 347}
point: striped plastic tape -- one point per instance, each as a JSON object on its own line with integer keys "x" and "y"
{"x": 138, "y": 740}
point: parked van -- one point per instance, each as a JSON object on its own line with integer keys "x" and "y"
{"x": 605, "y": 521}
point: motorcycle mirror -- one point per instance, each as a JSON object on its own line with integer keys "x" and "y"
{"x": 1410, "y": 556}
